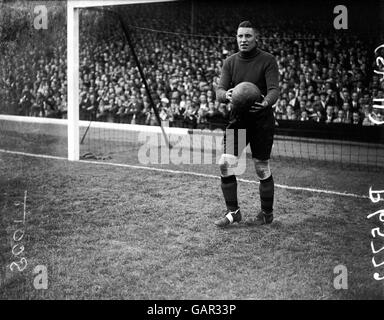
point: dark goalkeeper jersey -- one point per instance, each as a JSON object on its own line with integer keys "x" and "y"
{"x": 256, "y": 66}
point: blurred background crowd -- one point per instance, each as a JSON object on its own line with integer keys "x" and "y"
{"x": 325, "y": 75}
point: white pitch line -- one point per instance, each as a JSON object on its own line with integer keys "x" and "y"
{"x": 196, "y": 174}
{"x": 33, "y": 155}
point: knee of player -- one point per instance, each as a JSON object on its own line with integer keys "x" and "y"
{"x": 227, "y": 164}
{"x": 224, "y": 170}
{"x": 262, "y": 169}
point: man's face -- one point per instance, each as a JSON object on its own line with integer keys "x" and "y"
{"x": 246, "y": 39}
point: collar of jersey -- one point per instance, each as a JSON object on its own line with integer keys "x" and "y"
{"x": 249, "y": 55}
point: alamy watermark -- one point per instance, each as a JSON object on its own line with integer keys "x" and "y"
{"x": 341, "y": 20}
{"x": 195, "y": 147}
{"x": 41, "y": 17}
{"x": 341, "y": 279}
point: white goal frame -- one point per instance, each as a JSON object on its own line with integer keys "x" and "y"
{"x": 73, "y": 7}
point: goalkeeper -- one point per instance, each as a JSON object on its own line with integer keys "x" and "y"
{"x": 253, "y": 65}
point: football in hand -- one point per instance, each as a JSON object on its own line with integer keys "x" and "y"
{"x": 244, "y": 95}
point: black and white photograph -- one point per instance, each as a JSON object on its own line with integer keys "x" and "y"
{"x": 202, "y": 151}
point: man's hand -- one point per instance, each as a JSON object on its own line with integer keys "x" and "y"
{"x": 256, "y": 107}
{"x": 228, "y": 95}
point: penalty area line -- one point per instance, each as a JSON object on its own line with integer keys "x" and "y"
{"x": 191, "y": 173}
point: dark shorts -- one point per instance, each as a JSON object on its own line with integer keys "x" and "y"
{"x": 255, "y": 129}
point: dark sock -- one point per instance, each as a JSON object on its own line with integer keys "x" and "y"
{"x": 229, "y": 188}
{"x": 266, "y": 189}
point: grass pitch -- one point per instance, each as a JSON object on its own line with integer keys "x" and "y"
{"x": 115, "y": 232}
{"x": 109, "y": 232}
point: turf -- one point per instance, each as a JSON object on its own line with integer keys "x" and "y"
{"x": 122, "y": 233}
{"x": 107, "y": 232}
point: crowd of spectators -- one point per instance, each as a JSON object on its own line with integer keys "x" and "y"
{"x": 323, "y": 77}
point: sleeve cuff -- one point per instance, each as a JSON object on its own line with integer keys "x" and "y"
{"x": 265, "y": 103}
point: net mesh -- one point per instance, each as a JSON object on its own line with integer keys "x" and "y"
{"x": 123, "y": 143}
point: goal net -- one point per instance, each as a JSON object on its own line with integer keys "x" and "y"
{"x": 140, "y": 79}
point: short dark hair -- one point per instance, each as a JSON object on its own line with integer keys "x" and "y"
{"x": 246, "y": 24}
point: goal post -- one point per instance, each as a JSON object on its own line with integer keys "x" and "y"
{"x": 73, "y": 79}
{"x": 73, "y": 45}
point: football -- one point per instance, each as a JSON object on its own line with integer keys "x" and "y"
{"x": 244, "y": 95}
